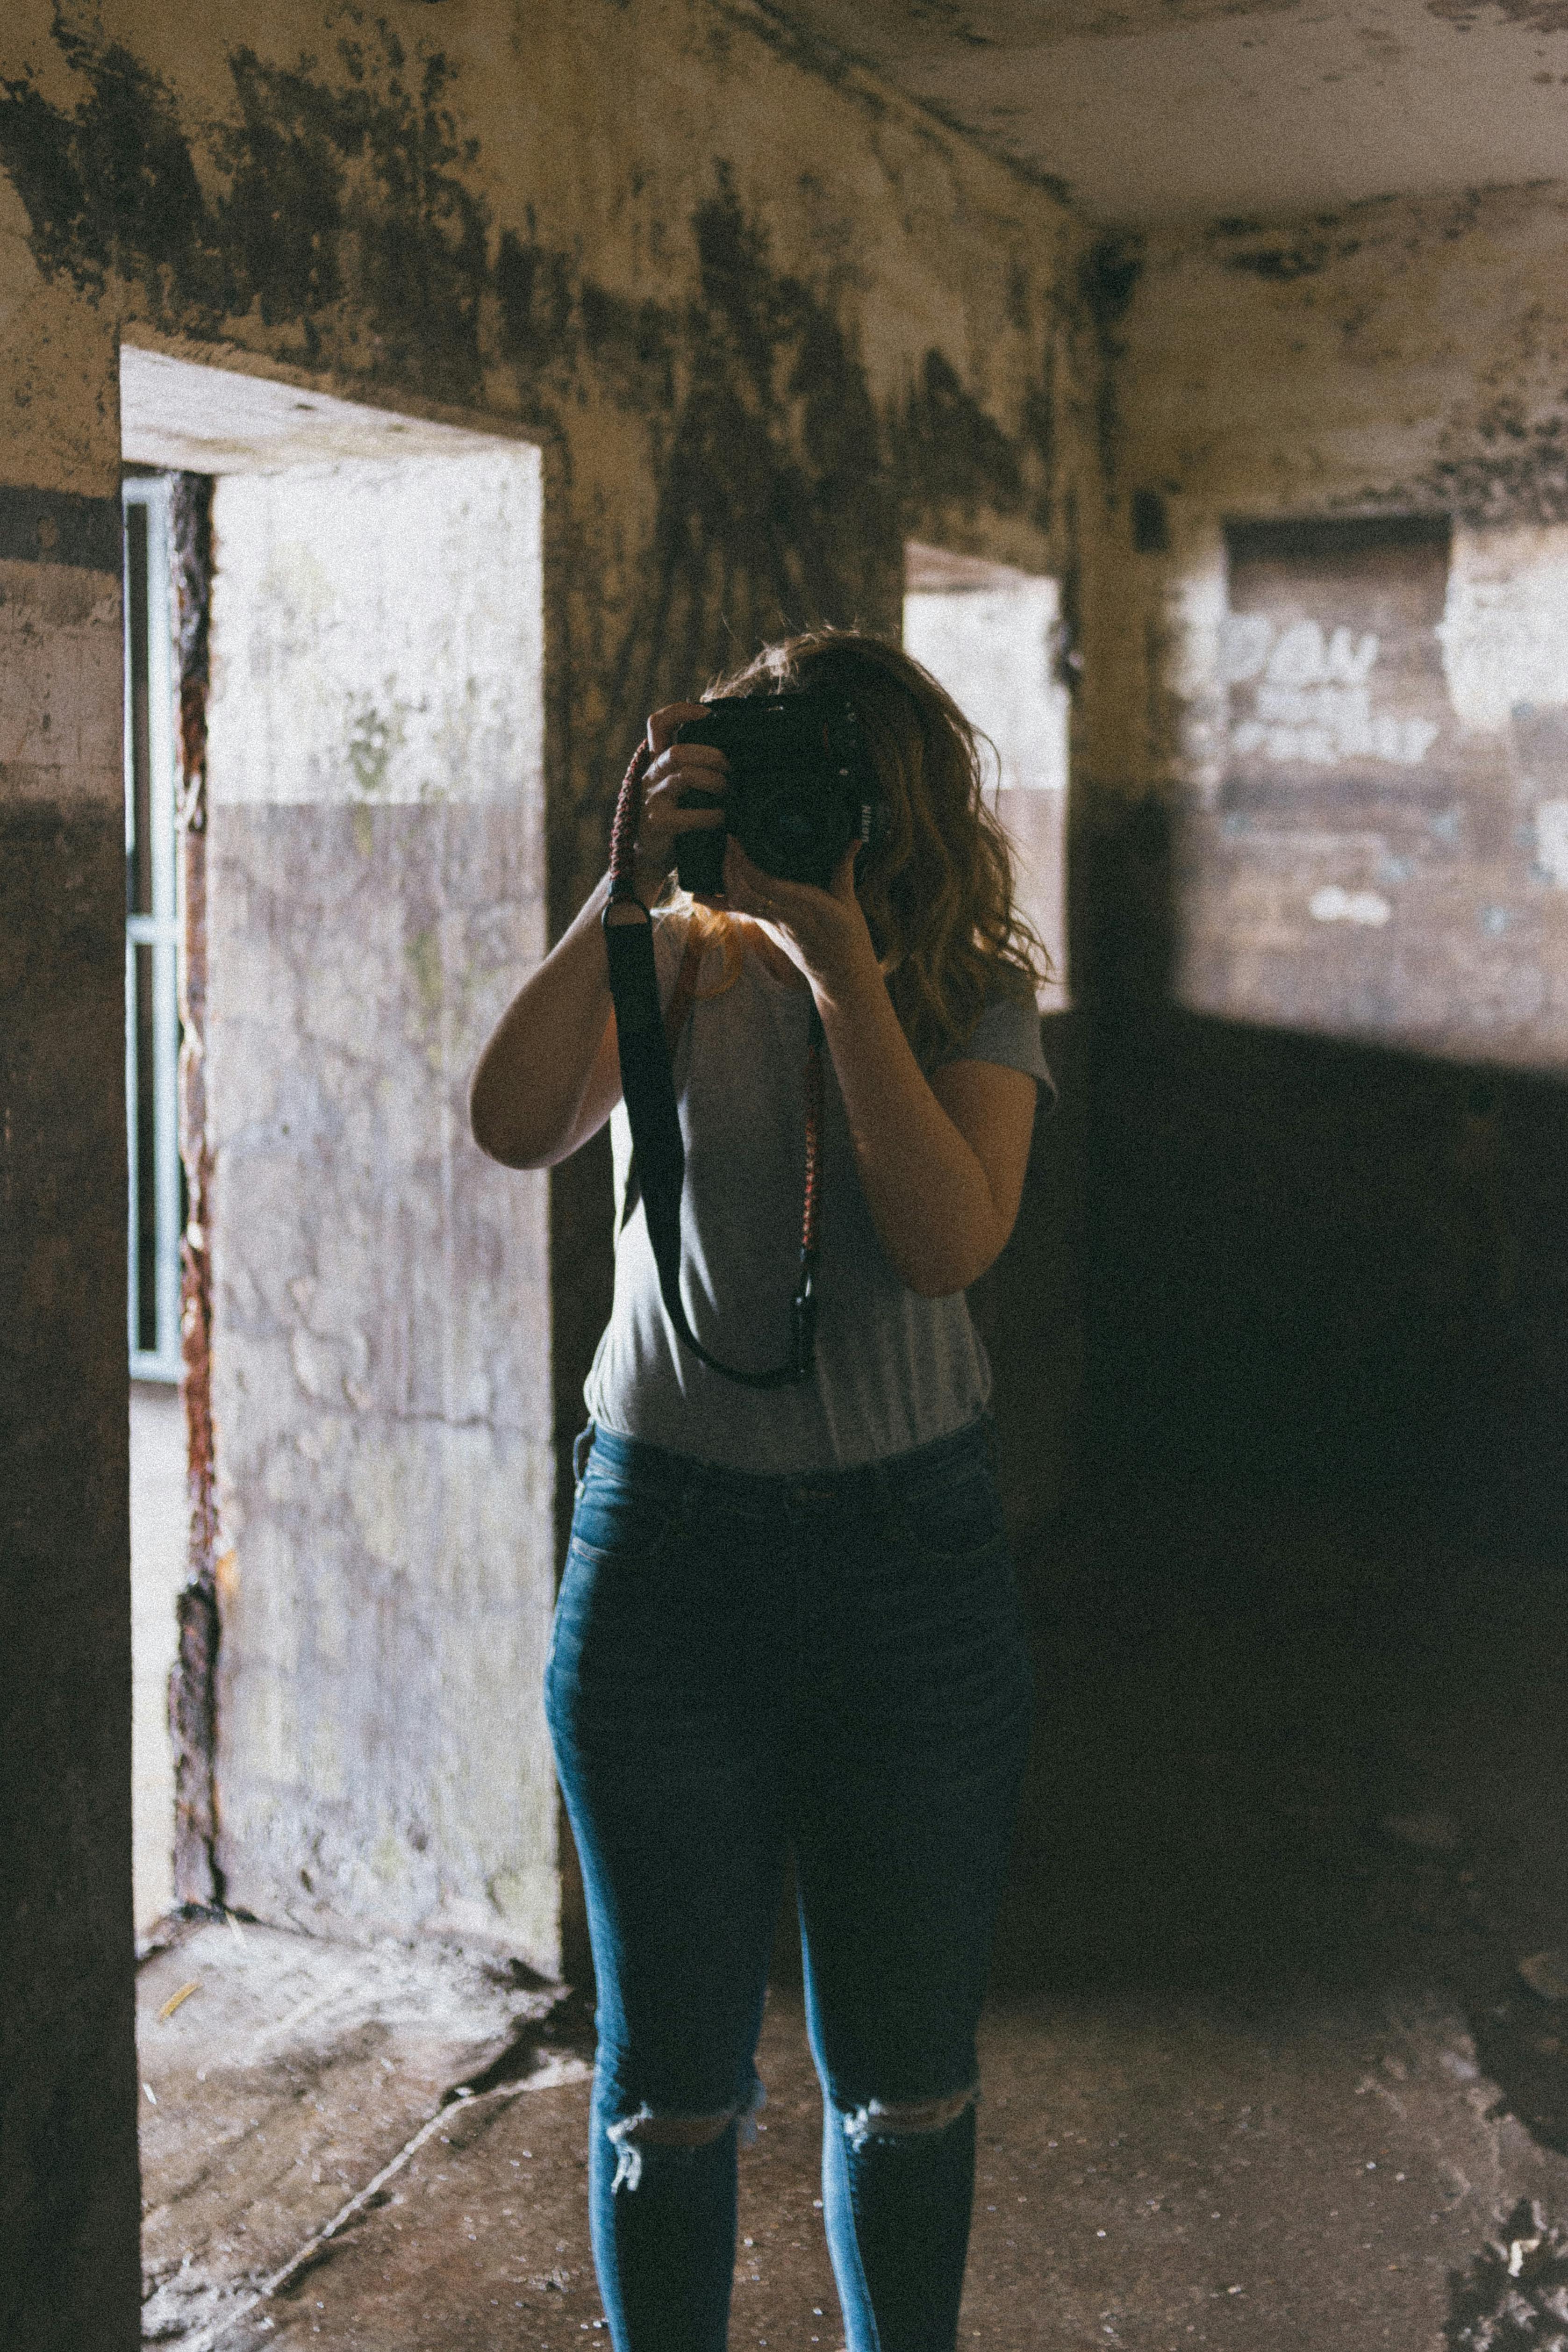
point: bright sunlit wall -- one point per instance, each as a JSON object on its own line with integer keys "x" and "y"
{"x": 991, "y": 635}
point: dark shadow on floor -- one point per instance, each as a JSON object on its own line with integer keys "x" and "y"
{"x": 1284, "y": 1754}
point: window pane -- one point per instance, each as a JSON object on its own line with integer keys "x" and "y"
{"x": 139, "y": 779}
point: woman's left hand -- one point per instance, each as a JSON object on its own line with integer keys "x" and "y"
{"x": 823, "y": 932}
{"x": 941, "y": 1160}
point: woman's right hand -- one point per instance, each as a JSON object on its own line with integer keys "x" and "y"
{"x": 674, "y": 769}
{"x": 550, "y": 1073}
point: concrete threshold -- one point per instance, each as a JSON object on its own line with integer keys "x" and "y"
{"x": 549, "y": 2073}
{"x": 283, "y": 2077}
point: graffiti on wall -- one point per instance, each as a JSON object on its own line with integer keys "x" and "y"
{"x": 1312, "y": 689}
{"x": 1387, "y": 855}
{"x": 1331, "y": 661}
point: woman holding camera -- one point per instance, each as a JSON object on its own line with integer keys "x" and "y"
{"x": 787, "y": 1620}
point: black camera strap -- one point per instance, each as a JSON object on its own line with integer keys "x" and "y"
{"x": 648, "y": 1089}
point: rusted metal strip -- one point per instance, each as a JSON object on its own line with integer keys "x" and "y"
{"x": 192, "y": 1721}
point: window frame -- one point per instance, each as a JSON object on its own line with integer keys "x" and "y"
{"x": 156, "y": 930}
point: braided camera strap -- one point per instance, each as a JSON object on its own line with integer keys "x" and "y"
{"x": 647, "y": 1087}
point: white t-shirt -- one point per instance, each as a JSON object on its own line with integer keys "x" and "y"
{"x": 893, "y": 1369}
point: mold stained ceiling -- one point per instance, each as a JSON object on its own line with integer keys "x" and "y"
{"x": 1153, "y": 111}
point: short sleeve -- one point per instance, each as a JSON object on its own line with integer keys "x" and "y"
{"x": 1008, "y": 1032}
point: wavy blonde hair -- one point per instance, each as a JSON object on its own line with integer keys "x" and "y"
{"x": 937, "y": 890}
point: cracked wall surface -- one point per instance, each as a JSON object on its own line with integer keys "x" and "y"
{"x": 381, "y": 1388}
{"x": 380, "y": 1335}
{"x": 764, "y": 325}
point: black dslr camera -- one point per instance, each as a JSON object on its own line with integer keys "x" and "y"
{"x": 801, "y": 788}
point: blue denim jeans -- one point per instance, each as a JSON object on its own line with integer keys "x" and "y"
{"x": 741, "y": 1666}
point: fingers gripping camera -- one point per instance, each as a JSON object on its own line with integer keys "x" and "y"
{"x": 801, "y": 788}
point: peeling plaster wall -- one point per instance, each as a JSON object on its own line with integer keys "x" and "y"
{"x": 381, "y": 1334}
{"x": 1320, "y": 806}
{"x": 379, "y": 635}
{"x": 752, "y": 382}
{"x": 766, "y": 326}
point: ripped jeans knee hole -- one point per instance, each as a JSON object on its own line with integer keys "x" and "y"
{"x": 905, "y": 2119}
{"x": 632, "y": 2136}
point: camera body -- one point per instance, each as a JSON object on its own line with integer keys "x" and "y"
{"x": 801, "y": 787}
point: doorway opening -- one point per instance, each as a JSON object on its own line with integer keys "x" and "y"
{"x": 357, "y": 865}
{"x": 342, "y": 1459}
{"x": 992, "y": 636}
{"x": 156, "y": 1202}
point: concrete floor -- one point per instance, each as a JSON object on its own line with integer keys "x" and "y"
{"x": 158, "y": 1529}
{"x": 1155, "y": 2179}
{"x": 1278, "y": 2051}
{"x": 279, "y": 2074}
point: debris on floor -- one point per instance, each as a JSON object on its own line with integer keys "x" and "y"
{"x": 1154, "y": 2174}
{"x": 1515, "y": 2294}
{"x": 281, "y": 2073}
{"x": 1275, "y": 2057}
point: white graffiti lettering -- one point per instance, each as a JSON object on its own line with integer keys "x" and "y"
{"x": 1332, "y": 904}
{"x": 1312, "y": 701}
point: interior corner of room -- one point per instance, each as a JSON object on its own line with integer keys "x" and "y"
{"x": 1190, "y": 394}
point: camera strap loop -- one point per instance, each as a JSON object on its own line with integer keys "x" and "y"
{"x": 648, "y": 1089}
{"x": 677, "y": 1013}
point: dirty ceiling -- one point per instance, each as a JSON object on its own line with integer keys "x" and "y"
{"x": 1149, "y": 110}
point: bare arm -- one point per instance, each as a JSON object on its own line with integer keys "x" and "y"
{"x": 941, "y": 1160}
{"x": 550, "y": 1075}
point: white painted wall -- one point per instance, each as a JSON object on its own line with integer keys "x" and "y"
{"x": 378, "y": 631}
{"x": 159, "y": 1545}
{"x": 381, "y": 1349}
{"x": 994, "y": 647}
{"x": 1408, "y": 358}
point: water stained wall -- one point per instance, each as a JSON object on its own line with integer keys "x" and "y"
{"x": 764, "y": 325}
{"x": 1379, "y": 858}
{"x": 1320, "y": 837}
